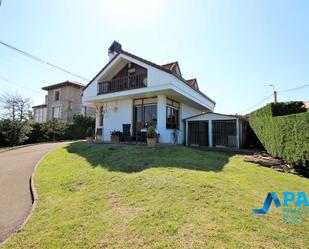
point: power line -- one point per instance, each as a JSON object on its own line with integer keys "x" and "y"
{"x": 286, "y": 90}
{"x": 18, "y": 85}
{"x": 41, "y": 60}
{"x": 260, "y": 102}
{"x": 293, "y": 89}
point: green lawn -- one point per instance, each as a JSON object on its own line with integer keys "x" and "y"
{"x": 94, "y": 196}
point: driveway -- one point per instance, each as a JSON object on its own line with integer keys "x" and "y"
{"x": 16, "y": 167}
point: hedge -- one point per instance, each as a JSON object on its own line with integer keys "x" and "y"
{"x": 286, "y": 136}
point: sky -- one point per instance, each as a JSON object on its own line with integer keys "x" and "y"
{"x": 235, "y": 49}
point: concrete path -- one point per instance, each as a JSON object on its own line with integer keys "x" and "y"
{"x": 16, "y": 168}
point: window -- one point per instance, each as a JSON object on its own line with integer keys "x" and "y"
{"x": 145, "y": 113}
{"x": 172, "y": 114}
{"x": 56, "y": 112}
{"x": 57, "y": 95}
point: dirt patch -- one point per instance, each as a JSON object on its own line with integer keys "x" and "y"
{"x": 276, "y": 163}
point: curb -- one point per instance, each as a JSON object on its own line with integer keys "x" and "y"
{"x": 28, "y": 145}
{"x": 34, "y": 197}
{"x": 17, "y": 147}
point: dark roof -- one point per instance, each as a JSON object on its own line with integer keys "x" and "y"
{"x": 39, "y": 106}
{"x": 193, "y": 83}
{"x": 63, "y": 84}
{"x": 151, "y": 64}
{"x": 172, "y": 67}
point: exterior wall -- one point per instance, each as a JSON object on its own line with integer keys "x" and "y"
{"x": 121, "y": 112}
{"x": 118, "y": 113}
{"x": 40, "y": 114}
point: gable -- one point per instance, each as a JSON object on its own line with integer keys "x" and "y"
{"x": 130, "y": 68}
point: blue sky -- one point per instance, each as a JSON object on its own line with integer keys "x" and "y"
{"x": 234, "y": 48}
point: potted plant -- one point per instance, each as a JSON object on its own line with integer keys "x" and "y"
{"x": 115, "y": 135}
{"x": 151, "y": 136}
{"x": 89, "y": 135}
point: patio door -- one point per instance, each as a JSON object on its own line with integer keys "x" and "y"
{"x": 144, "y": 114}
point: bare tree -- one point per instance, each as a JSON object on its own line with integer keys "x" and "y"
{"x": 103, "y": 111}
{"x": 16, "y": 112}
{"x": 15, "y": 106}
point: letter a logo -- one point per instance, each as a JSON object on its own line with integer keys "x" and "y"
{"x": 271, "y": 196}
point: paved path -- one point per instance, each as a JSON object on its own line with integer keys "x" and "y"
{"x": 16, "y": 167}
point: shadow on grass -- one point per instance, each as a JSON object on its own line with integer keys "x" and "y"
{"x": 130, "y": 158}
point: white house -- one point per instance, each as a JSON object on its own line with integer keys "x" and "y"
{"x": 135, "y": 92}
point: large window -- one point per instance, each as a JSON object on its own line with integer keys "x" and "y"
{"x": 172, "y": 114}
{"x": 56, "y": 112}
{"x": 145, "y": 113}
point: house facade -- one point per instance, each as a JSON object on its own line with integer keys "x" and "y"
{"x": 62, "y": 102}
{"x": 133, "y": 91}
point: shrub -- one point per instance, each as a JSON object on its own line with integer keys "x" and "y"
{"x": 14, "y": 131}
{"x": 77, "y": 130}
{"x": 283, "y": 136}
{"x": 54, "y": 130}
{"x": 37, "y": 134}
{"x": 151, "y": 132}
{"x": 286, "y": 108}
{"x": 89, "y": 132}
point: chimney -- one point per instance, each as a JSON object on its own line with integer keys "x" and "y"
{"x": 113, "y": 50}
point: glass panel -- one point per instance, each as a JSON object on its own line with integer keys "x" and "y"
{"x": 154, "y": 116}
{"x": 137, "y": 119}
{"x": 172, "y": 118}
{"x": 138, "y": 113}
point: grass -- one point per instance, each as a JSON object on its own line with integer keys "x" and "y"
{"x": 93, "y": 196}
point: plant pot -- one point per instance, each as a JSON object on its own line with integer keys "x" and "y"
{"x": 158, "y": 138}
{"x": 89, "y": 139}
{"x": 151, "y": 142}
{"x": 114, "y": 139}
{"x": 98, "y": 138}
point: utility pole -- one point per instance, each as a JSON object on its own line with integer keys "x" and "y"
{"x": 275, "y": 93}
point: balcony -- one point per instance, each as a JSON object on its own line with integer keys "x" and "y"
{"x": 123, "y": 83}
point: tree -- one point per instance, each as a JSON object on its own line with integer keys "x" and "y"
{"x": 54, "y": 129}
{"x": 16, "y": 112}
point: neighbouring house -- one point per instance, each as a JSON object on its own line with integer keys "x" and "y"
{"x": 40, "y": 113}
{"x": 62, "y": 102}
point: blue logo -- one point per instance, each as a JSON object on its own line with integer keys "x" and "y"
{"x": 295, "y": 206}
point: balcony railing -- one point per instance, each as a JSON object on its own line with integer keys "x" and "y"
{"x": 122, "y": 84}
